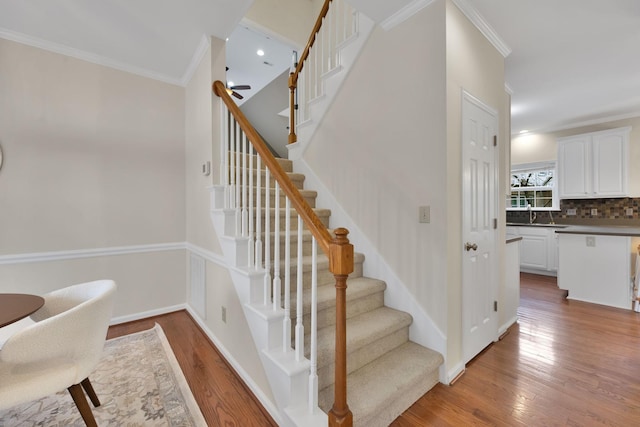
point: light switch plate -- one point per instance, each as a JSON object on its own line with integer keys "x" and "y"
{"x": 571, "y": 212}
{"x": 424, "y": 213}
{"x": 629, "y": 211}
{"x": 594, "y": 212}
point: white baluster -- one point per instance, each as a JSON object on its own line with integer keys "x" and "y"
{"x": 224, "y": 152}
{"x": 232, "y": 167}
{"x": 330, "y": 39}
{"x": 238, "y": 142}
{"x": 313, "y": 355}
{"x": 299, "y": 307}
{"x": 251, "y": 213}
{"x": 286, "y": 323}
{"x": 276, "y": 252}
{"x": 267, "y": 237}
{"x": 258, "y": 215}
{"x": 245, "y": 213}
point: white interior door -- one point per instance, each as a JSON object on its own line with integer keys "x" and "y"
{"x": 479, "y": 316}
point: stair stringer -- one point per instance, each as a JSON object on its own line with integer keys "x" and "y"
{"x": 288, "y": 377}
{"x": 331, "y": 82}
{"x": 423, "y": 329}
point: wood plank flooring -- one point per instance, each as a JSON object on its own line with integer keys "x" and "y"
{"x": 565, "y": 363}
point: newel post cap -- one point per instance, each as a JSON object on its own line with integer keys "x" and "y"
{"x": 341, "y": 261}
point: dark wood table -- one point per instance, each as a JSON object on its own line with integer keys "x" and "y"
{"x": 14, "y": 307}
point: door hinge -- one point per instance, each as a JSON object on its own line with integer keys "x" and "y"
{"x": 495, "y": 140}
{"x": 495, "y": 223}
{"x": 495, "y": 306}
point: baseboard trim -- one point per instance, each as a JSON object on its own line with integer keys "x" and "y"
{"x": 505, "y": 327}
{"x": 455, "y": 373}
{"x": 145, "y": 314}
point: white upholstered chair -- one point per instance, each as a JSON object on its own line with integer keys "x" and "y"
{"x": 60, "y": 349}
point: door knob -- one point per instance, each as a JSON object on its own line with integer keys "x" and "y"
{"x": 470, "y": 246}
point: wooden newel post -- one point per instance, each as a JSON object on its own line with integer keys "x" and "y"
{"x": 293, "y": 83}
{"x": 341, "y": 265}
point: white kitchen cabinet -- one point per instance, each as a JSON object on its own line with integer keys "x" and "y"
{"x": 597, "y": 268}
{"x": 510, "y": 293}
{"x": 538, "y": 248}
{"x": 534, "y": 248}
{"x": 594, "y": 164}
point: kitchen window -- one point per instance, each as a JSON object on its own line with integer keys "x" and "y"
{"x": 533, "y": 184}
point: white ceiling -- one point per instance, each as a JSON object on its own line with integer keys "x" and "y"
{"x": 246, "y": 67}
{"x": 572, "y": 61}
{"x": 161, "y": 39}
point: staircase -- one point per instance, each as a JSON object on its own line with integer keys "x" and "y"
{"x": 333, "y": 352}
{"x": 386, "y": 372}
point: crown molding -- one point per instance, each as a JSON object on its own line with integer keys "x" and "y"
{"x": 508, "y": 89}
{"x": 84, "y": 56}
{"x": 483, "y": 26}
{"x": 592, "y": 122}
{"x": 404, "y": 13}
{"x": 195, "y": 60}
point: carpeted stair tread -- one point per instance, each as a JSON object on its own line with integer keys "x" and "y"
{"x": 357, "y": 287}
{"x": 322, "y": 263}
{"x": 362, "y": 330}
{"x": 380, "y": 391}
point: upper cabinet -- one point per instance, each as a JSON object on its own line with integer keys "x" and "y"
{"x": 593, "y": 165}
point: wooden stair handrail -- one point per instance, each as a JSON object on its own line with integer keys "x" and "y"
{"x": 338, "y": 250}
{"x": 293, "y": 77}
{"x": 317, "y": 228}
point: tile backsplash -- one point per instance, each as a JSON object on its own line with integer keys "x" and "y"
{"x": 619, "y": 211}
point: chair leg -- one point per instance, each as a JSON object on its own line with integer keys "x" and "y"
{"x": 86, "y": 385}
{"x": 83, "y": 406}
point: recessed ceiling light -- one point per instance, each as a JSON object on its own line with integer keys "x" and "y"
{"x": 260, "y": 52}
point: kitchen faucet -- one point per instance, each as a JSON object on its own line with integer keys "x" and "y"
{"x": 532, "y": 215}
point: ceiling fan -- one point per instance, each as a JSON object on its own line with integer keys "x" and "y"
{"x": 232, "y": 89}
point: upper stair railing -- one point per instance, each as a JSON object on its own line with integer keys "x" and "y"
{"x": 336, "y": 24}
{"x": 243, "y": 179}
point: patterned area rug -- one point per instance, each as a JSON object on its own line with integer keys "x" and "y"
{"x": 138, "y": 382}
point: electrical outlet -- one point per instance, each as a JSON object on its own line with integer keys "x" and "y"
{"x": 591, "y": 241}
{"x": 571, "y": 212}
{"x": 424, "y": 214}
{"x": 224, "y": 314}
{"x": 629, "y": 211}
{"x": 594, "y": 212}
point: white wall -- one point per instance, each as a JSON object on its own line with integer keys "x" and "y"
{"x": 93, "y": 158}
{"x": 380, "y": 150}
{"x": 391, "y": 142}
{"x": 292, "y": 20}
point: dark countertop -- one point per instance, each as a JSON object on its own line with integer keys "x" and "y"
{"x": 536, "y": 224}
{"x": 602, "y": 231}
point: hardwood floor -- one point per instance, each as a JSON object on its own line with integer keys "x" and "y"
{"x": 565, "y": 363}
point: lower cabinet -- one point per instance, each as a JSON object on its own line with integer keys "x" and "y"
{"x": 538, "y": 248}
